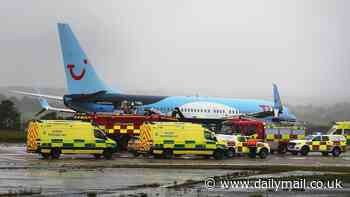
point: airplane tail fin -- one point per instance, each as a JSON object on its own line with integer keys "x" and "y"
{"x": 277, "y": 103}
{"x": 81, "y": 76}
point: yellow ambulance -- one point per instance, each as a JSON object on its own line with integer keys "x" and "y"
{"x": 51, "y": 138}
{"x": 341, "y": 128}
{"x": 168, "y": 139}
{"x": 325, "y": 144}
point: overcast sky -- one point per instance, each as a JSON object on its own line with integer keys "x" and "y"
{"x": 185, "y": 47}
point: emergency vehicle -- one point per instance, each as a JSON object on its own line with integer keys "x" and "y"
{"x": 335, "y": 144}
{"x": 276, "y": 134}
{"x": 121, "y": 127}
{"x": 51, "y": 138}
{"x": 341, "y": 128}
{"x": 134, "y": 145}
{"x": 238, "y": 145}
{"x": 166, "y": 139}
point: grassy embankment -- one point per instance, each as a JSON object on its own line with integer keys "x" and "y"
{"x": 12, "y": 136}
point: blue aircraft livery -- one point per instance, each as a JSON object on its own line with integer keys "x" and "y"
{"x": 88, "y": 93}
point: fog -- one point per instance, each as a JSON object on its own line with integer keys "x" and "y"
{"x": 234, "y": 49}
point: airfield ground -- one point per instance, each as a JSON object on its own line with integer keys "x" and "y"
{"x": 82, "y": 175}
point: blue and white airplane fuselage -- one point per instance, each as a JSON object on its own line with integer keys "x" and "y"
{"x": 88, "y": 93}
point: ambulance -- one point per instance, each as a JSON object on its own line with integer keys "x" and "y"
{"x": 341, "y": 128}
{"x": 325, "y": 144}
{"x": 168, "y": 139}
{"x": 238, "y": 145}
{"x": 51, "y": 138}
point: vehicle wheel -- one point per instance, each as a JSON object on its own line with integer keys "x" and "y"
{"x": 219, "y": 154}
{"x": 107, "y": 154}
{"x": 294, "y": 152}
{"x": 336, "y": 152}
{"x": 55, "y": 153}
{"x": 282, "y": 149}
{"x": 97, "y": 156}
{"x": 304, "y": 150}
{"x": 263, "y": 153}
{"x": 324, "y": 153}
{"x": 167, "y": 154}
{"x": 231, "y": 152}
{"x": 45, "y": 155}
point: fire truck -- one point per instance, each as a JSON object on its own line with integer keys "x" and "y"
{"x": 121, "y": 127}
{"x": 276, "y": 134}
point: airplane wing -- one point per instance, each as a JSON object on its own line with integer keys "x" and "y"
{"x": 46, "y": 107}
{"x": 35, "y": 95}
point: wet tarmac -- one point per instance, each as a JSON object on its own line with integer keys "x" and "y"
{"x": 82, "y": 174}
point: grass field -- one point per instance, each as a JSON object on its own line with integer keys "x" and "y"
{"x": 12, "y": 136}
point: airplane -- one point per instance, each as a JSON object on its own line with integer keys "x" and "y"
{"x": 89, "y": 94}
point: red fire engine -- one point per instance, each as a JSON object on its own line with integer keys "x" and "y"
{"x": 121, "y": 127}
{"x": 277, "y": 135}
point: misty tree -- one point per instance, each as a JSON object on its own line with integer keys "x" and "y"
{"x": 2, "y": 97}
{"x": 9, "y": 116}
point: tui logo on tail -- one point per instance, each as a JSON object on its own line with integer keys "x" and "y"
{"x": 74, "y": 76}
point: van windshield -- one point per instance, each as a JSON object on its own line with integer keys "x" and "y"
{"x": 309, "y": 137}
{"x": 99, "y": 134}
{"x": 331, "y": 130}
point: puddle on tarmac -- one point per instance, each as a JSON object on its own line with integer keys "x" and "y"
{"x": 77, "y": 181}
